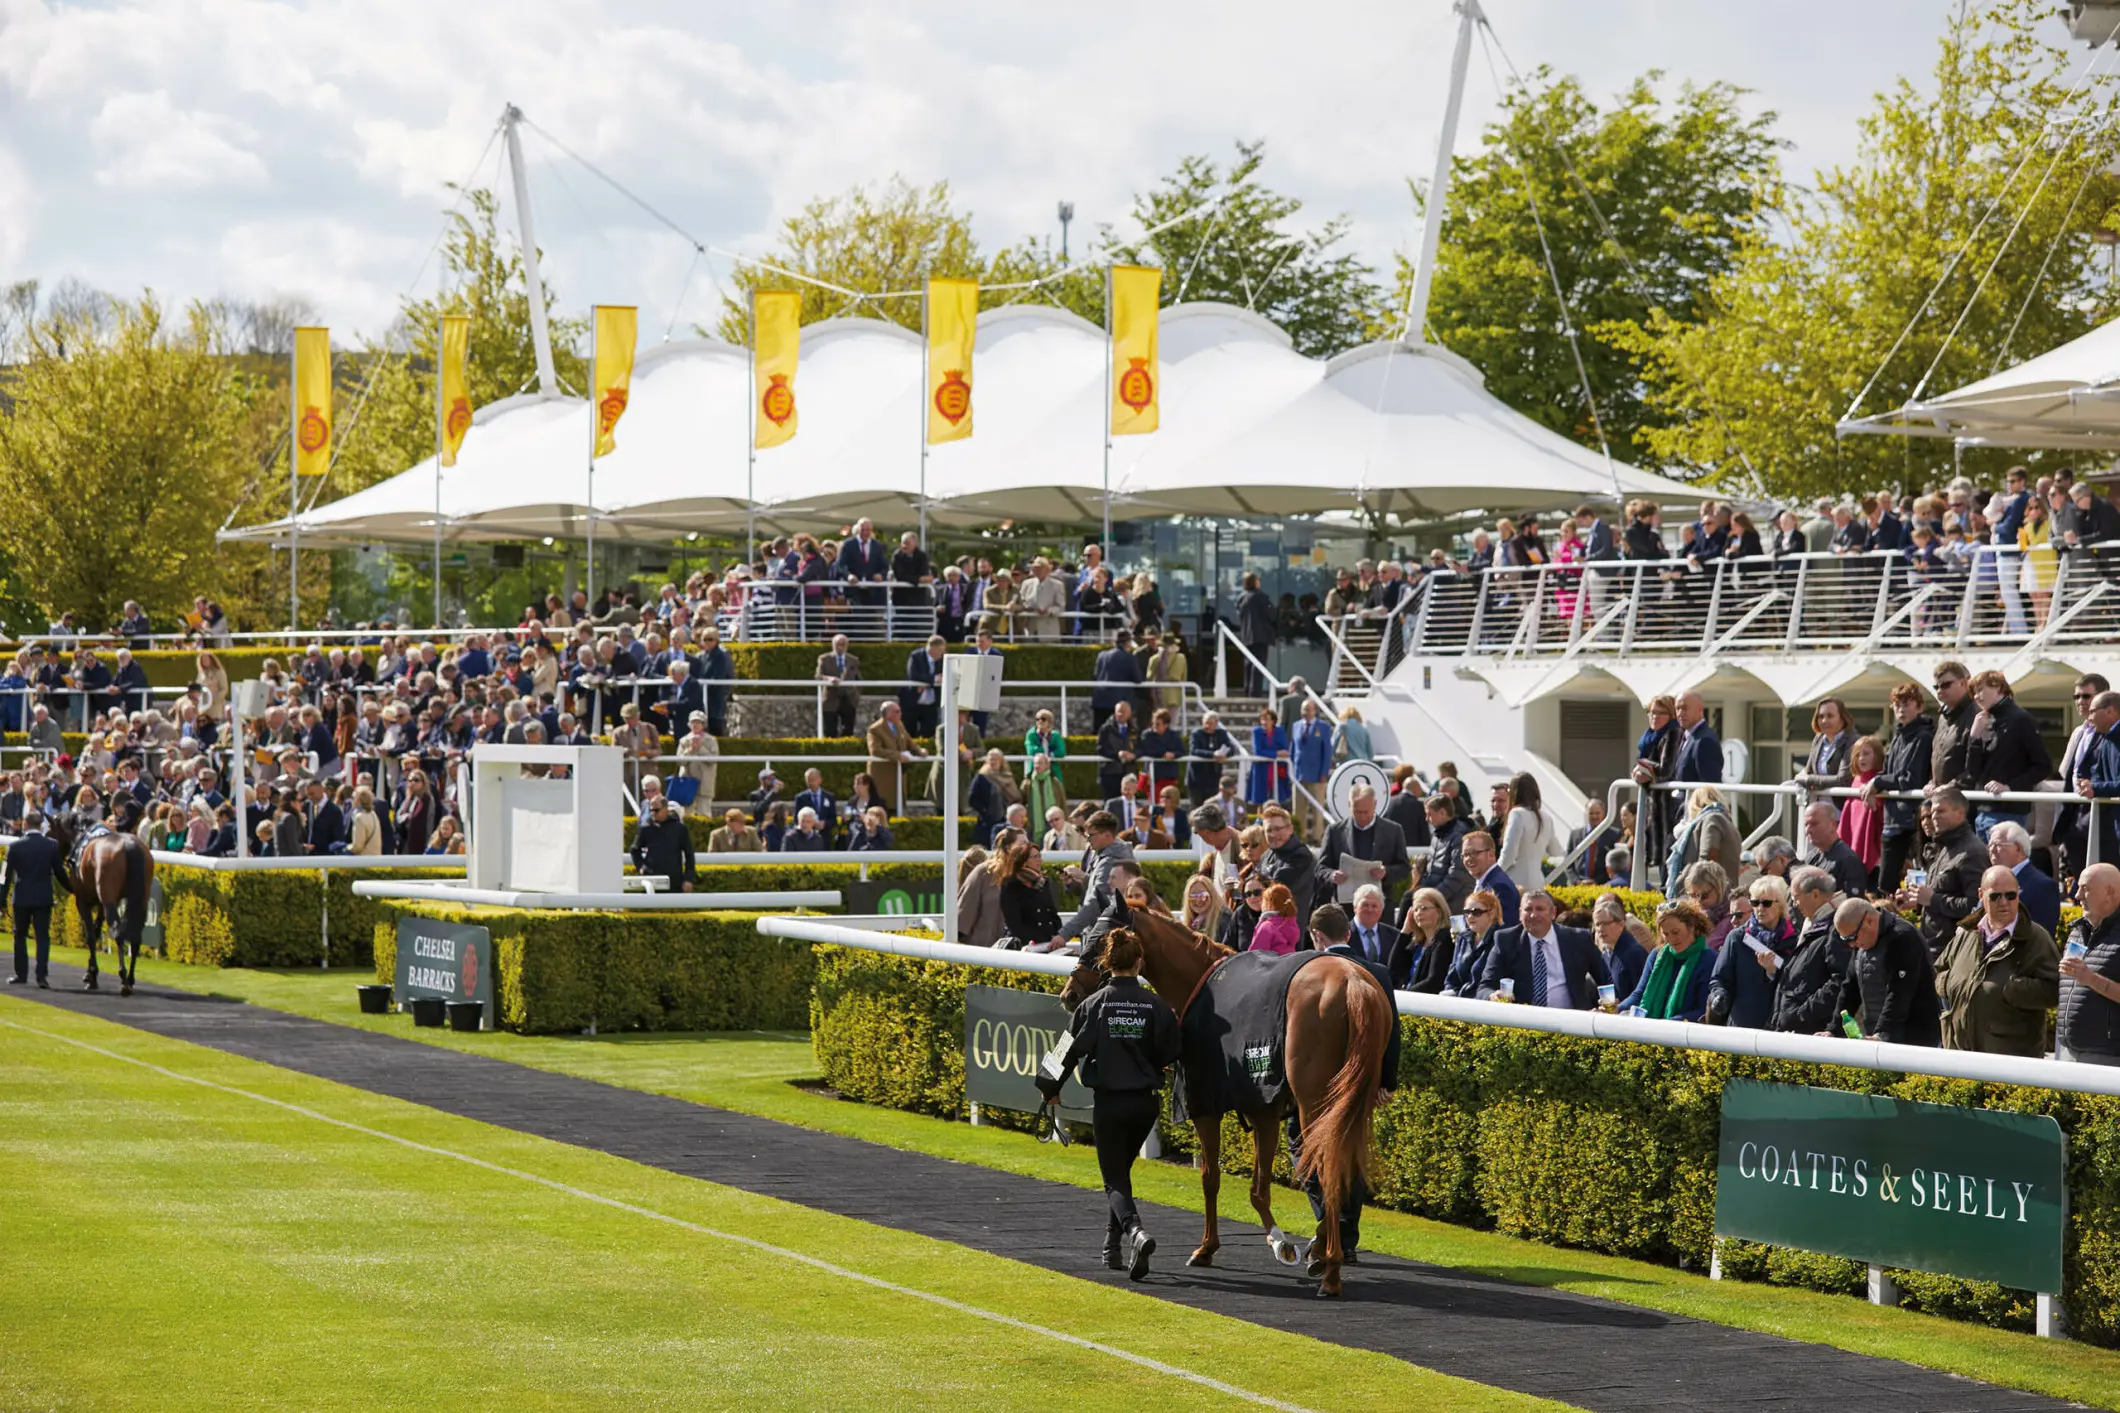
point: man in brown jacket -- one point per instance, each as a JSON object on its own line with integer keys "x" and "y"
{"x": 1998, "y": 976}
{"x": 839, "y": 671}
{"x": 890, "y": 747}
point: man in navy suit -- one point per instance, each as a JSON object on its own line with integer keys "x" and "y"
{"x": 1550, "y": 965}
{"x": 921, "y": 699}
{"x": 1117, "y": 671}
{"x": 685, "y": 695}
{"x": 1700, "y": 757}
{"x": 864, "y": 560}
{"x": 33, "y": 861}
{"x": 815, "y": 797}
{"x": 1477, "y": 853}
{"x": 2010, "y": 846}
{"x": 2098, "y": 770}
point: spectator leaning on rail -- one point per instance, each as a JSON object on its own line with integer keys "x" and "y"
{"x": 1741, "y": 987}
{"x": 1890, "y": 987}
{"x": 2010, "y": 846}
{"x": 2088, "y": 1018}
{"x": 1908, "y": 761}
{"x": 2071, "y": 833}
{"x": 1950, "y": 892}
{"x": 662, "y": 847}
{"x": 1807, "y": 988}
{"x": 1954, "y": 725}
{"x": 1543, "y": 963}
{"x": 1093, "y": 876}
{"x": 1707, "y": 833}
{"x": 2098, "y": 775}
{"x": 1830, "y": 764}
{"x": 1998, "y": 976}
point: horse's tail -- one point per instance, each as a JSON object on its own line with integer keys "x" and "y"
{"x": 139, "y": 868}
{"x": 1337, "y": 1141}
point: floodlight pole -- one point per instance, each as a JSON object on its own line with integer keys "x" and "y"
{"x": 1109, "y": 361}
{"x": 1469, "y": 15}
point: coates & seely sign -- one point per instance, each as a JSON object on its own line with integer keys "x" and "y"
{"x": 1976, "y": 1193}
{"x": 1006, "y": 1033}
{"x": 445, "y": 959}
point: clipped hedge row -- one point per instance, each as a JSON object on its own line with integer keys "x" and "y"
{"x": 790, "y": 755}
{"x": 561, "y": 972}
{"x": 1594, "y": 1144}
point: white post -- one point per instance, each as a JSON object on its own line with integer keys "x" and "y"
{"x": 2047, "y": 1320}
{"x": 440, "y": 415}
{"x": 533, "y": 284}
{"x": 949, "y": 795}
{"x": 1883, "y": 1289}
{"x": 238, "y": 775}
{"x": 1439, "y": 185}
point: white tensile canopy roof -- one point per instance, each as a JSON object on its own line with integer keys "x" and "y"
{"x": 2067, "y": 397}
{"x": 1249, "y": 427}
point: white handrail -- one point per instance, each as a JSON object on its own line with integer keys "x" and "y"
{"x": 627, "y": 902}
{"x": 1876, "y": 1055}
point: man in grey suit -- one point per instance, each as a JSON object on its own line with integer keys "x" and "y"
{"x": 839, "y": 671}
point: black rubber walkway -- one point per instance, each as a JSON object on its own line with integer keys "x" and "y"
{"x": 1594, "y": 1353}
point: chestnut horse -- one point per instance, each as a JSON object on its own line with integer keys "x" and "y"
{"x": 1339, "y": 1025}
{"x": 114, "y": 868}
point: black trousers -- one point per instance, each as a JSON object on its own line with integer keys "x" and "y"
{"x": 41, "y": 919}
{"x": 1350, "y": 1211}
{"x": 1124, "y": 1118}
{"x": 839, "y": 717}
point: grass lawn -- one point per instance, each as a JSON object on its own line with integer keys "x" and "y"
{"x": 752, "y": 1073}
{"x": 165, "y": 1245}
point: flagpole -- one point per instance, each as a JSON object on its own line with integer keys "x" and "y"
{"x": 294, "y": 483}
{"x": 925, "y": 386}
{"x": 441, "y": 354}
{"x": 1108, "y": 361}
{"x": 750, "y": 448}
{"x": 589, "y": 572}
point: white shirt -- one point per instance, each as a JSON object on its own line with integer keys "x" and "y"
{"x": 1526, "y": 837}
{"x": 1557, "y": 995}
{"x": 1366, "y": 942}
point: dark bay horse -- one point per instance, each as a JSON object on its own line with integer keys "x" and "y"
{"x": 1339, "y": 1024}
{"x": 114, "y": 868}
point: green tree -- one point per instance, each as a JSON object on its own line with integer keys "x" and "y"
{"x": 1996, "y": 176}
{"x": 881, "y": 244}
{"x": 119, "y": 460}
{"x": 1682, "y": 180}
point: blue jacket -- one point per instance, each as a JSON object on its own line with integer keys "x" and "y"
{"x": 1694, "y": 1004}
{"x": 1700, "y": 756}
{"x": 1501, "y": 886}
{"x": 2040, "y": 896}
{"x": 1629, "y": 958}
{"x": 1740, "y": 989}
{"x": 1466, "y": 963}
{"x": 1582, "y": 966}
{"x": 1117, "y": 667}
{"x": 1310, "y": 749}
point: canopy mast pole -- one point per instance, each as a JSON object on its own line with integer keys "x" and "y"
{"x": 1469, "y": 14}
{"x": 533, "y": 284}
{"x": 1106, "y": 543}
{"x": 439, "y": 416}
{"x": 590, "y": 570}
{"x": 750, "y": 447}
{"x": 924, "y": 386}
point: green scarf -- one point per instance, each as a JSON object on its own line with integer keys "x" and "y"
{"x": 1670, "y": 980}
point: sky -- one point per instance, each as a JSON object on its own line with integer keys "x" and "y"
{"x": 247, "y": 149}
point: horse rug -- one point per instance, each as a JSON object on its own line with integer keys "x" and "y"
{"x": 1233, "y": 1034}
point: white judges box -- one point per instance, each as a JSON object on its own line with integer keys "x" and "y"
{"x": 532, "y": 833}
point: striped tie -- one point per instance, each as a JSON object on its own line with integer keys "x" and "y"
{"x": 1538, "y": 973}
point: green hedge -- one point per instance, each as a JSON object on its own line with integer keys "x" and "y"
{"x": 561, "y": 972}
{"x": 791, "y": 753}
{"x": 1595, "y": 1144}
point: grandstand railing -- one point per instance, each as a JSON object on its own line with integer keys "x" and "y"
{"x": 1989, "y": 597}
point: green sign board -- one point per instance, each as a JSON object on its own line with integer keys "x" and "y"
{"x": 153, "y": 934}
{"x": 867, "y": 897}
{"x": 445, "y": 959}
{"x": 1006, "y": 1033}
{"x": 1976, "y": 1193}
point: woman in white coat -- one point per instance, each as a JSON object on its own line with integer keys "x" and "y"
{"x": 1528, "y": 836}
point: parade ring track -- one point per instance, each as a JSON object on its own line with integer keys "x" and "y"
{"x": 1596, "y": 1354}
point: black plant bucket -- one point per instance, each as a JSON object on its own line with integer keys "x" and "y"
{"x": 466, "y": 1015}
{"x": 375, "y": 999}
{"x": 427, "y": 1010}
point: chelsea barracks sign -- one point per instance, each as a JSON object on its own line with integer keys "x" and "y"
{"x": 445, "y": 959}
{"x": 1976, "y": 1193}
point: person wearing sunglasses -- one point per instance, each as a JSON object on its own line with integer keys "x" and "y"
{"x": 1999, "y": 975}
{"x": 2072, "y": 824}
{"x": 1483, "y": 914}
{"x": 1741, "y": 989}
{"x": 1890, "y": 987}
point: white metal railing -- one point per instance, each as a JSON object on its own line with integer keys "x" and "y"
{"x": 808, "y": 610}
{"x": 1976, "y": 596}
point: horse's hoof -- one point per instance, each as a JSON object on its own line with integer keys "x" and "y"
{"x": 90, "y": 985}
{"x": 1328, "y": 1292}
{"x": 1205, "y": 1256}
{"x": 125, "y": 989}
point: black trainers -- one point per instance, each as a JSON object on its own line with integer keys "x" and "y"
{"x": 1113, "y": 1261}
{"x": 18, "y": 981}
{"x": 1139, "y": 1247}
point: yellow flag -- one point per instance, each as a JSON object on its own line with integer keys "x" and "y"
{"x": 952, "y": 318}
{"x": 312, "y": 401}
{"x": 615, "y": 335}
{"x": 453, "y": 400}
{"x": 1137, "y": 379}
{"x": 776, "y": 334}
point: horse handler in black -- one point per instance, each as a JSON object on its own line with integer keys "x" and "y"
{"x": 1125, "y": 1037}
{"x": 33, "y": 863}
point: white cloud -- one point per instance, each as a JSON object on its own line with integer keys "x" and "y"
{"x": 207, "y": 146}
{"x": 146, "y": 142}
